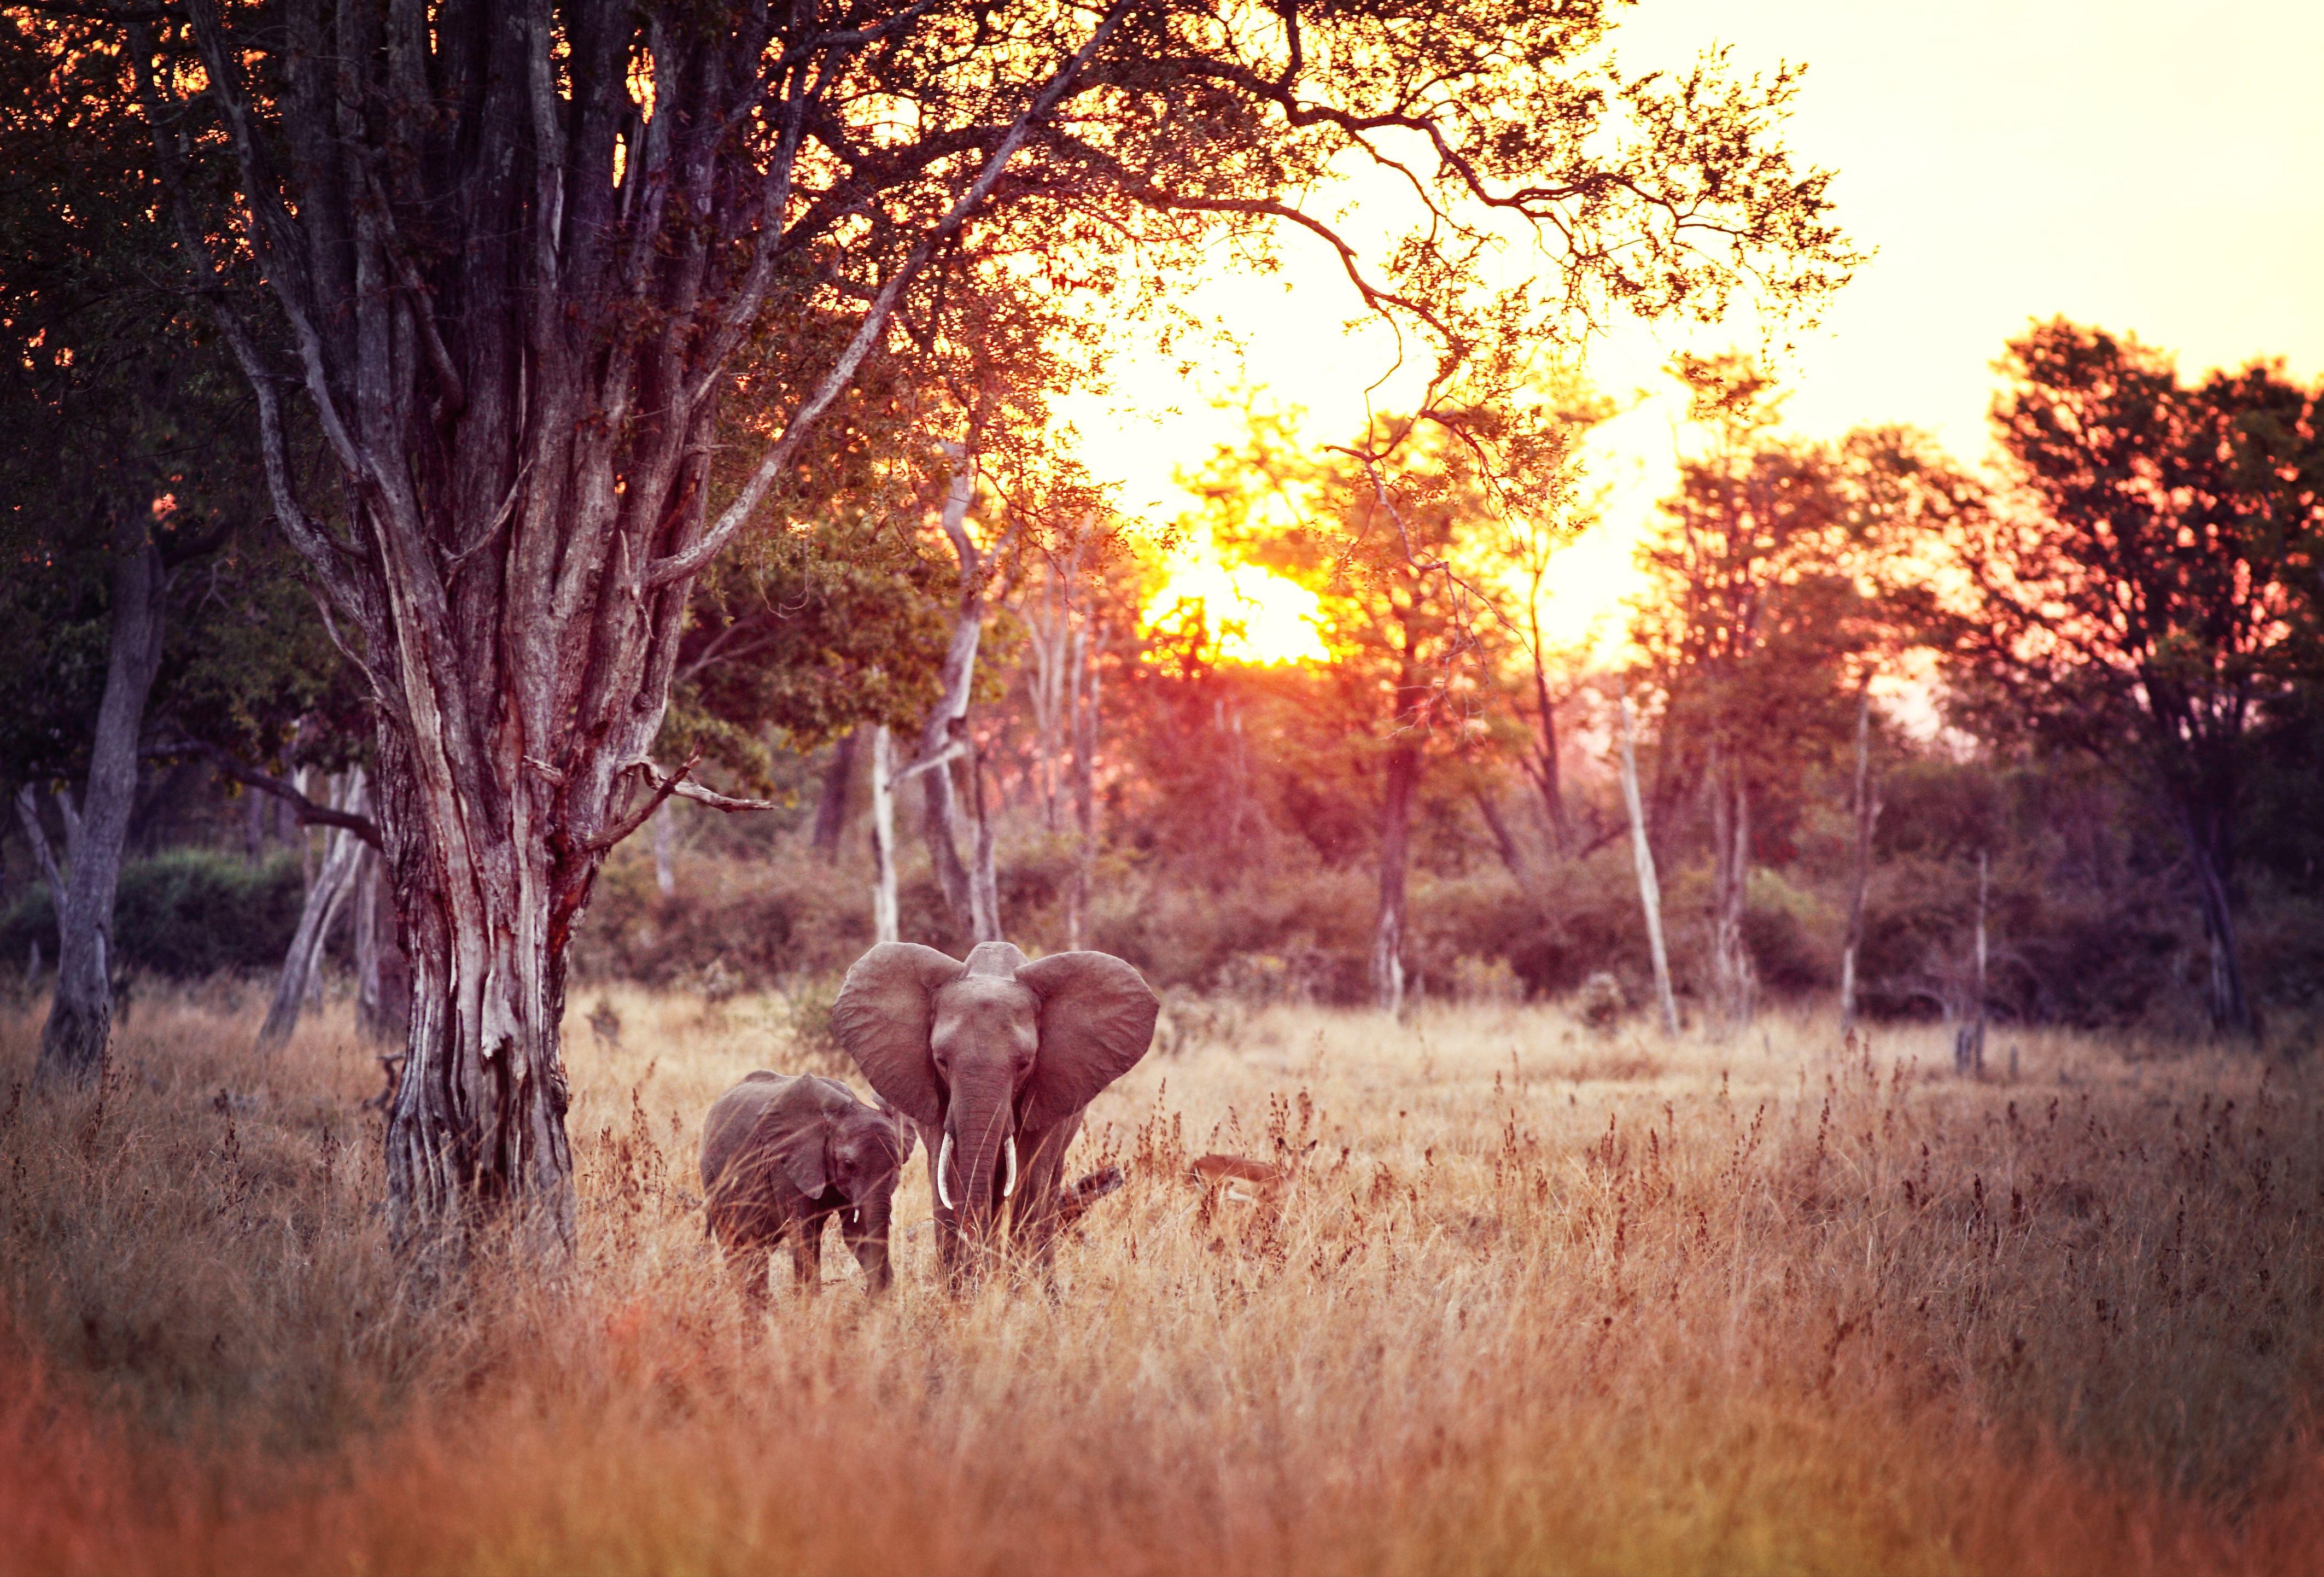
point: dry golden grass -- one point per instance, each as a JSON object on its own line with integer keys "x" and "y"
{"x": 1542, "y": 1301}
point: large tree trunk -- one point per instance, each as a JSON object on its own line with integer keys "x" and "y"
{"x": 1733, "y": 982}
{"x": 1401, "y": 780}
{"x": 1868, "y": 815}
{"x": 485, "y": 907}
{"x": 78, "y": 1033}
{"x": 327, "y": 895}
{"x": 830, "y": 810}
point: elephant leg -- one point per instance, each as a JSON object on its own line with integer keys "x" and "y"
{"x": 944, "y": 1222}
{"x": 746, "y": 1263}
{"x": 807, "y": 1251}
{"x": 743, "y": 1241}
{"x": 1033, "y": 1224}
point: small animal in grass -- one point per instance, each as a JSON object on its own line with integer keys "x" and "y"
{"x": 1075, "y": 1198}
{"x": 1241, "y": 1180}
{"x": 781, "y": 1155}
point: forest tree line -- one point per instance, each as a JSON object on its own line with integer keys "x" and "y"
{"x": 2089, "y": 675}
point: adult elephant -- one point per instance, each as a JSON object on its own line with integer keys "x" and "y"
{"x": 995, "y": 1059}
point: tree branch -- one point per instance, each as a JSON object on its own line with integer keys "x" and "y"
{"x": 28, "y": 812}
{"x": 692, "y": 559}
{"x": 311, "y": 813}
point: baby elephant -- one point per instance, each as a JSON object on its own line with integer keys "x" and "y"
{"x": 783, "y": 1154}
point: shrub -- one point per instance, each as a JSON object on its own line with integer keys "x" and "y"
{"x": 185, "y": 914}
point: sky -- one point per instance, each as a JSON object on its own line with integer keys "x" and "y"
{"x": 2152, "y": 169}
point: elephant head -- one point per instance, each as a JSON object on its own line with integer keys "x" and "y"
{"x": 995, "y": 1058}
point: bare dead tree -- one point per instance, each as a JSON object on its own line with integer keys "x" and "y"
{"x": 1650, "y": 892}
{"x": 328, "y": 892}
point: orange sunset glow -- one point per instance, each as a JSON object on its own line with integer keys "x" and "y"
{"x": 1255, "y": 615}
{"x": 2001, "y": 162}
{"x": 932, "y": 787}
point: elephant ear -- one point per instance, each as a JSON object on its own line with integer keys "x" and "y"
{"x": 1097, "y": 1020}
{"x": 882, "y": 1018}
{"x": 797, "y": 1131}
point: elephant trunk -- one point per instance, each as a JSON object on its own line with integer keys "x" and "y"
{"x": 983, "y": 1145}
{"x": 866, "y": 1228}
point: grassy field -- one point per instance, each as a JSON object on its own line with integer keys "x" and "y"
{"x": 1544, "y": 1300}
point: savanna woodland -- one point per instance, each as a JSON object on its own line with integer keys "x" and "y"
{"x": 558, "y": 556}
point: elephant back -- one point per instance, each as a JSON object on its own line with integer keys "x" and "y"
{"x": 732, "y": 1117}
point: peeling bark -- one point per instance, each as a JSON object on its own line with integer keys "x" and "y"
{"x": 382, "y": 978}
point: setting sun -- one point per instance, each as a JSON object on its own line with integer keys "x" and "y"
{"x": 1256, "y": 616}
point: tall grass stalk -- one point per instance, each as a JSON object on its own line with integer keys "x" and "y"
{"x": 1542, "y": 1299}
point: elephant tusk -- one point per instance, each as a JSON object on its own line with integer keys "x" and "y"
{"x": 944, "y": 1164}
{"x": 1009, "y": 1188}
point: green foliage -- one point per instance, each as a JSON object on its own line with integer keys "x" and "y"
{"x": 186, "y": 914}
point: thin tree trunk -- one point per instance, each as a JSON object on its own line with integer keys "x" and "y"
{"x": 1969, "y": 1040}
{"x": 2208, "y": 846}
{"x": 1402, "y": 779}
{"x": 335, "y": 879}
{"x": 304, "y": 780}
{"x": 1049, "y": 642}
{"x": 985, "y": 883}
{"x": 79, "y": 1034}
{"x": 665, "y": 828}
{"x": 254, "y": 826}
{"x": 830, "y": 810}
{"x": 1504, "y": 840}
{"x": 947, "y": 729}
{"x": 1733, "y": 983}
{"x": 1867, "y": 814}
{"x": 1650, "y": 892}
{"x": 883, "y": 835}
{"x": 1086, "y": 732}
{"x": 1544, "y": 768}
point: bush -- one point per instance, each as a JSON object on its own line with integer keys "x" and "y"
{"x": 186, "y": 913}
